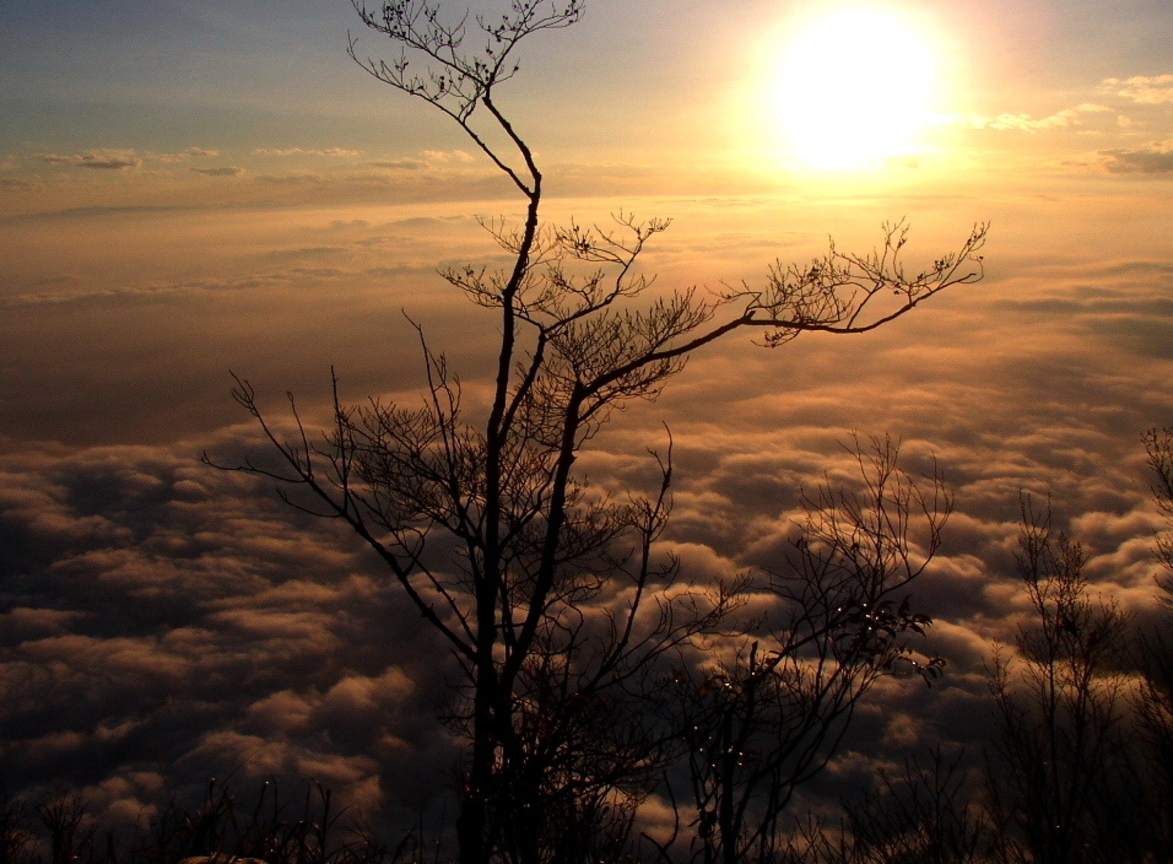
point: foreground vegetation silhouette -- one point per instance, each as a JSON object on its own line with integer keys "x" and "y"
{"x": 1079, "y": 769}
{"x": 593, "y": 671}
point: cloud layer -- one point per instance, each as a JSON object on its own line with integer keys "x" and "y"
{"x": 161, "y": 622}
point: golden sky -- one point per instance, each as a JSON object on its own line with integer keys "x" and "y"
{"x": 141, "y": 102}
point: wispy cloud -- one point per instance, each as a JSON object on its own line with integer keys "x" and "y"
{"x": 1156, "y": 158}
{"x": 96, "y": 211}
{"x": 300, "y": 151}
{"x": 1142, "y": 89}
{"x": 135, "y": 293}
{"x": 114, "y": 160}
{"x": 126, "y": 158}
{"x": 433, "y": 159}
{"x": 401, "y": 164}
{"x": 1119, "y": 114}
{"x": 448, "y": 157}
{"x": 1064, "y": 119}
{"x": 292, "y": 179}
{"x": 219, "y": 172}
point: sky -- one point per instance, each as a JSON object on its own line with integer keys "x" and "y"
{"x": 188, "y": 189}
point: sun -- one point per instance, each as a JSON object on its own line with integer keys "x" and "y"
{"x": 854, "y": 87}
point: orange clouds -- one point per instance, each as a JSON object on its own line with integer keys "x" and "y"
{"x": 151, "y": 605}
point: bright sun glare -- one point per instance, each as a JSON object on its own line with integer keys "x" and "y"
{"x": 854, "y": 89}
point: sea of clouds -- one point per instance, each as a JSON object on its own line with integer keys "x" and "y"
{"x": 162, "y": 622}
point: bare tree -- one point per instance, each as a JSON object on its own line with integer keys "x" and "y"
{"x": 1081, "y": 768}
{"x": 1158, "y": 444}
{"x": 70, "y": 828}
{"x": 547, "y": 591}
{"x": 1061, "y": 708}
{"x": 14, "y": 838}
{"x": 923, "y": 814}
{"x": 1154, "y": 702}
{"x": 761, "y": 724}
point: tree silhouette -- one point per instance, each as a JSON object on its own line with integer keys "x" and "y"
{"x": 547, "y": 591}
{"x": 1061, "y": 707}
{"x": 1155, "y": 699}
{"x": 762, "y": 723}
